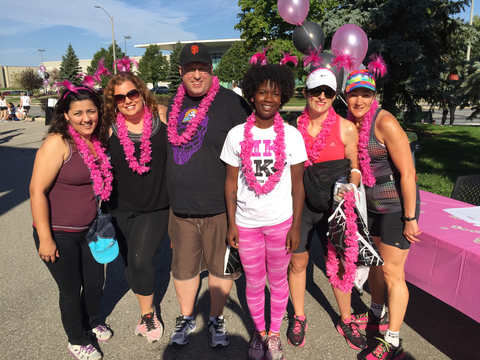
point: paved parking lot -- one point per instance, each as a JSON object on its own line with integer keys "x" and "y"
{"x": 29, "y": 297}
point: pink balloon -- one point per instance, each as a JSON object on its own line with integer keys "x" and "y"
{"x": 42, "y": 68}
{"x": 46, "y": 82}
{"x": 352, "y": 40}
{"x": 293, "y": 11}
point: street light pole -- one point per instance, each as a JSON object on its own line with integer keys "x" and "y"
{"x": 471, "y": 21}
{"x": 125, "y": 40}
{"x": 41, "y": 54}
{"x": 113, "y": 38}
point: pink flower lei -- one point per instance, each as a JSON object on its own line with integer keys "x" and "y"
{"x": 101, "y": 175}
{"x": 173, "y": 136}
{"x": 128, "y": 146}
{"x": 279, "y": 150}
{"x": 351, "y": 252}
{"x": 363, "y": 139}
{"x": 321, "y": 139}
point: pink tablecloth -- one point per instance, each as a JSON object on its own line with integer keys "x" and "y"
{"x": 446, "y": 262}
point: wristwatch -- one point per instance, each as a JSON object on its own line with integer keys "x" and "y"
{"x": 408, "y": 219}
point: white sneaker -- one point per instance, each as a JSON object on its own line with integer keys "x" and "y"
{"x": 87, "y": 352}
{"x": 102, "y": 333}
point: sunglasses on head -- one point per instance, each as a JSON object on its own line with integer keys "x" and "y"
{"x": 132, "y": 95}
{"x": 329, "y": 92}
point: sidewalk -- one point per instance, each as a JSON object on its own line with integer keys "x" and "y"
{"x": 31, "y": 319}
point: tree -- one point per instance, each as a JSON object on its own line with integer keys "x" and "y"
{"x": 234, "y": 63}
{"x": 70, "y": 66}
{"x": 259, "y": 19}
{"x": 153, "y": 66}
{"x": 173, "y": 75}
{"x": 29, "y": 80}
{"x": 54, "y": 76}
{"x": 469, "y": 89}
{"x": 108, "y": 63}
{"x": 475, "y": 49}
{"x": 416, "y": 39}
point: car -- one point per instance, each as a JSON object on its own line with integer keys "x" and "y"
{"x": 162, "y": 90}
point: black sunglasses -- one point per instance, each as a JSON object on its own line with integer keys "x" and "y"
{"x": 329, "y": 92}
{"x": 132, "y": 95}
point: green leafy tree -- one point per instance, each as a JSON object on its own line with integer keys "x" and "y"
{"x": 108, "y": 63}
{"x": 173, "y": 75}
{"x": 259, "y": 19}
{"x": 234, "y": 63}
{"x": 70, "y": 66}
{"x": 153, "y": 66}
{"x": 29, "y": 80}
{"x": 416, "y": 39}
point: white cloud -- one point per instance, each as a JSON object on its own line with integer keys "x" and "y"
{"x": 149, "y": 21}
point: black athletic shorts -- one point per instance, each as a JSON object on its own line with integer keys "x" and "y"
{"x": 390, "y": 228}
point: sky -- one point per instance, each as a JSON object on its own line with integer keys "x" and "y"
{"x": 52, "y": 24}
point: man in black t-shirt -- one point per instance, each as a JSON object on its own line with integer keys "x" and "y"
{"x": 199, "y": 116}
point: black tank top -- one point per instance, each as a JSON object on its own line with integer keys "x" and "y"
{"x": 131, "y": 191}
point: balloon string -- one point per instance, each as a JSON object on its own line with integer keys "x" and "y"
{"x": 315, "y": 46}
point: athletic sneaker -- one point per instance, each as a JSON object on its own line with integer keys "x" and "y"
{"x": 102, "y": 333}
{"x": 150, "y": 327}
{"x": 183, "y": 328}
{"x": 87, "y": 352}
{"x": 219, "y": 333}
{"x": 386, "y": 351}
{"x": 274, "y": 348}
{"x": 256, "y": 349}
{"x": 296, "y": 331}
{"x": 349, "y": 330}
{"x": 371, "y": 322}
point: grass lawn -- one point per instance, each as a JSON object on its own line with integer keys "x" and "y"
{"x": 447, "y": 152}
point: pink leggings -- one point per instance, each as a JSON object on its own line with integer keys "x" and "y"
{"x": 262, "y": 251}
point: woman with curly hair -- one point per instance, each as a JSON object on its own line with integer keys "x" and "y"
{"x": 264, "y": 193}
{"x": 63, "y": 208}
{"x": 139, "y": 201}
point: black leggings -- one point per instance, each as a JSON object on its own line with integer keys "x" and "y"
{"x": 139, "y": 236}
{"x": 80, "y": 282}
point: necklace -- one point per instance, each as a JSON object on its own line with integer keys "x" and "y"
{"x": 101, "y": 175}
{"x": 363, "y": 139}
{"x": 351, "y": 249}
{"x": 247, "y": 151}
{"x": 129, "y": 148}
{"x": 315, "y": 150}
{"x": 173, "y": 136}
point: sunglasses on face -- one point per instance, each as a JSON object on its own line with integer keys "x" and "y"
{"x": 132, "y": 95}
{"x": 329, "y": 92}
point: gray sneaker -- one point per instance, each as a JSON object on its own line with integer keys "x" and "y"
{"x": 219, "y": 333}
{"x": 274, "y": 349}
{"x": 256, "y": 349}
{"x": 183, "y": 328}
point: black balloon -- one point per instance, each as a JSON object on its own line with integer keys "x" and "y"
{"x": 47, "y": 75}
{"x": 308, "y": 36}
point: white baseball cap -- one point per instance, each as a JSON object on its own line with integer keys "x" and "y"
{"x": 320, "y": 77}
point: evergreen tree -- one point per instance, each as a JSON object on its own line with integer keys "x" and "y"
{"x": 173, "y": 74}
{"x": 108, "y": 63}
{"x": 153, "y": 66}
{"x": 70, "y": 66}
{"x": 418, "y": 40}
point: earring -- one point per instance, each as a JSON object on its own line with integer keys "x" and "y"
{"x": 116, "y": 111}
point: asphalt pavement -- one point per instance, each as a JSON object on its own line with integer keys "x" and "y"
{"x": 31, "y": 319}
